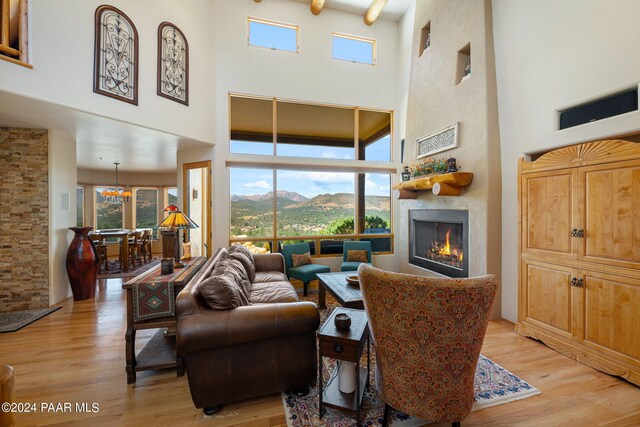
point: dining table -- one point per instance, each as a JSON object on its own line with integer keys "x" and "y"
{"x": 123, "y": 235}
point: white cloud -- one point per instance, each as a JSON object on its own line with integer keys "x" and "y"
{"x": 258, "y": 184}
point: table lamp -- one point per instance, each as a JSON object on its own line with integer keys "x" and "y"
{"x": 170, "y": 228}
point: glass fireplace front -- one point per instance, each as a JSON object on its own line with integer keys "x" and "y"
{"x": 438, "y": 241}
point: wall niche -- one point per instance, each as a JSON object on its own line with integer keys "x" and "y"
{"x": 425, "y": 38}
{"x": 463, "y": 65}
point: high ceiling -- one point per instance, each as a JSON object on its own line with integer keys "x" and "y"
{"x": 393, "y": 11}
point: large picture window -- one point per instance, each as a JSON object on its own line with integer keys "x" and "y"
{"x": 147, "y": 208}
{"x": 108, "y": 215}
{"x": 323, "y": 208}
{"x": 300, "y": 202}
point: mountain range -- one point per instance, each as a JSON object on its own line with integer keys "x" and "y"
{"x": 297, "y": 214}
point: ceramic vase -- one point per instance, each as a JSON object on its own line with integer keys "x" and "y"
{"x": 82, "y": 264}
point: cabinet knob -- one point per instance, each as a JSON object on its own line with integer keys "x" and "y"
{"x": 581, "y": 233}
{"x": 574, "y": 232}
{"x": 338, "y": 348}
{"x": 574, "y": 281}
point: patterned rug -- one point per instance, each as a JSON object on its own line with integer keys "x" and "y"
{"x": 13, "y": 320}
{"x": 115, "y": 271}
{"x": 494, "y": 385}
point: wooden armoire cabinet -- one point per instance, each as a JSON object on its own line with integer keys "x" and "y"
{"x": 579, "y": 284}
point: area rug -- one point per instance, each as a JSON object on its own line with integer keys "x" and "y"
{"x": 494, "y": 385}
{"x": 13, "y": 320}
{"x": 115, "y": 271}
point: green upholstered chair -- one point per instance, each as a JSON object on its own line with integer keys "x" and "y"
{"x": 304, "y": 273}
{"x": 351, "y": 245}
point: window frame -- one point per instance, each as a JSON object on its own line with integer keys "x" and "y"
{"x": 373, "y": 42}
{"x": 295, "y": 27}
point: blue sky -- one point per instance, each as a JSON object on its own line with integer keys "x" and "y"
{"x": 245, "y": 182}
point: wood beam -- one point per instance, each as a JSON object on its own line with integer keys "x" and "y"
{"x": 374, "y": 11}
{"x": 257, "y": 1}
{"x": 316, "y": 6}
{"x": 6, "y": 11}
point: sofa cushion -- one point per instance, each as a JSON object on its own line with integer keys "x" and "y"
{"x": 234, "y": 269}
{"x": 242, "y": 254}
{"x": 221, "y": 292}
{"x": 272, "y": 292}
{"x": 270, "y": 276}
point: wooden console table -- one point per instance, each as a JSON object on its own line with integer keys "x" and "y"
{"x": 160, "y": 351}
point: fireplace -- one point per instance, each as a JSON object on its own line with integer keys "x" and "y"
{"x": 438, "y": 241}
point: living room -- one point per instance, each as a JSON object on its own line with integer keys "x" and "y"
{"x": 531, "y": 62}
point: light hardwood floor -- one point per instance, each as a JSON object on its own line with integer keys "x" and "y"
{"x": 77, "y": 355}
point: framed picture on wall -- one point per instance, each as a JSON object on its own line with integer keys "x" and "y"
{"x": 115, "y": 62}
{"x": 441, "y": 140}
{"x": 173, "y": 63}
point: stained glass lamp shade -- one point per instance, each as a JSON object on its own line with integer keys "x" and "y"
{"x": 171, "y": 225}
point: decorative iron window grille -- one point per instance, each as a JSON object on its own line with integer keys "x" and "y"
{"x": 116, "y": 55}
{"x": 173, "y": 63}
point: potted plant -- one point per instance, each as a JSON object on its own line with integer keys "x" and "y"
{"x": 429, "y": 167}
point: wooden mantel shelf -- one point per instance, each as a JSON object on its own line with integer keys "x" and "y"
{"x": 446, "y": 184}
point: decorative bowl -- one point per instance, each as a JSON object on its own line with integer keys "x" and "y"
{"x": 342, "y": 321}
{"x": 353, "y": 281}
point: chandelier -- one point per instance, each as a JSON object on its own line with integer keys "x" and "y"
{"x": 116, "y": 195}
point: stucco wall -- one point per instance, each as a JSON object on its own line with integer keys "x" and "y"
{"x": 551, "y": 55}
{"x": 436, "y": 100}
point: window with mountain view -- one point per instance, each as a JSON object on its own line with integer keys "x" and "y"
{"x": 79, "y": 206}
{"x": 251, "y": 203}
{"x": 314, "y": 203}
{"x": 310, "y": 205}
{"x": 147, "y": 208}
{"x": 108, "y": 215}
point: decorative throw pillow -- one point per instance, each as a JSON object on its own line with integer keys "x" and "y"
{"x": 234, "y": 269}
{"x": 359, "y": 255}
{"x": 300, "y": 259}
{"x": 221, "y": 292}
{"x": 240, "y": 253}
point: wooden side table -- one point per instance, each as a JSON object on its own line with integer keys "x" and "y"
{"x": 160, "y": 351}
{"x": 347, "y": 346}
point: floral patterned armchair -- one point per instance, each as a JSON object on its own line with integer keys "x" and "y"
{"x": 427, "y": 333}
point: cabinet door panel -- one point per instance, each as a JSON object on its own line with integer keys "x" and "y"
{"x": 548, "y": 296}
{"x": 547, "y": 213}
{"x": 612, "y": 214}
{"x": 611, "y": 313}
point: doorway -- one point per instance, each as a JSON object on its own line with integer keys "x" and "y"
{"x": 197, "y": 205}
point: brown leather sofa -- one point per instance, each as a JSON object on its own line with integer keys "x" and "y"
{"x": 254, "y": 350}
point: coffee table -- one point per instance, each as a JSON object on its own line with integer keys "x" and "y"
{"x": 336, "y": 283}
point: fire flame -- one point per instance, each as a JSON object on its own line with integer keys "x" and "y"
{"x": 446, "y": 249}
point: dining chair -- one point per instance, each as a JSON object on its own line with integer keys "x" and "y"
{"x": 145, "y": 246}
{"x": 101, "y": 250}
{"x": 305, "y": 273}
{"x": 134, "y": 248}
{"x": 427, "y": 334}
